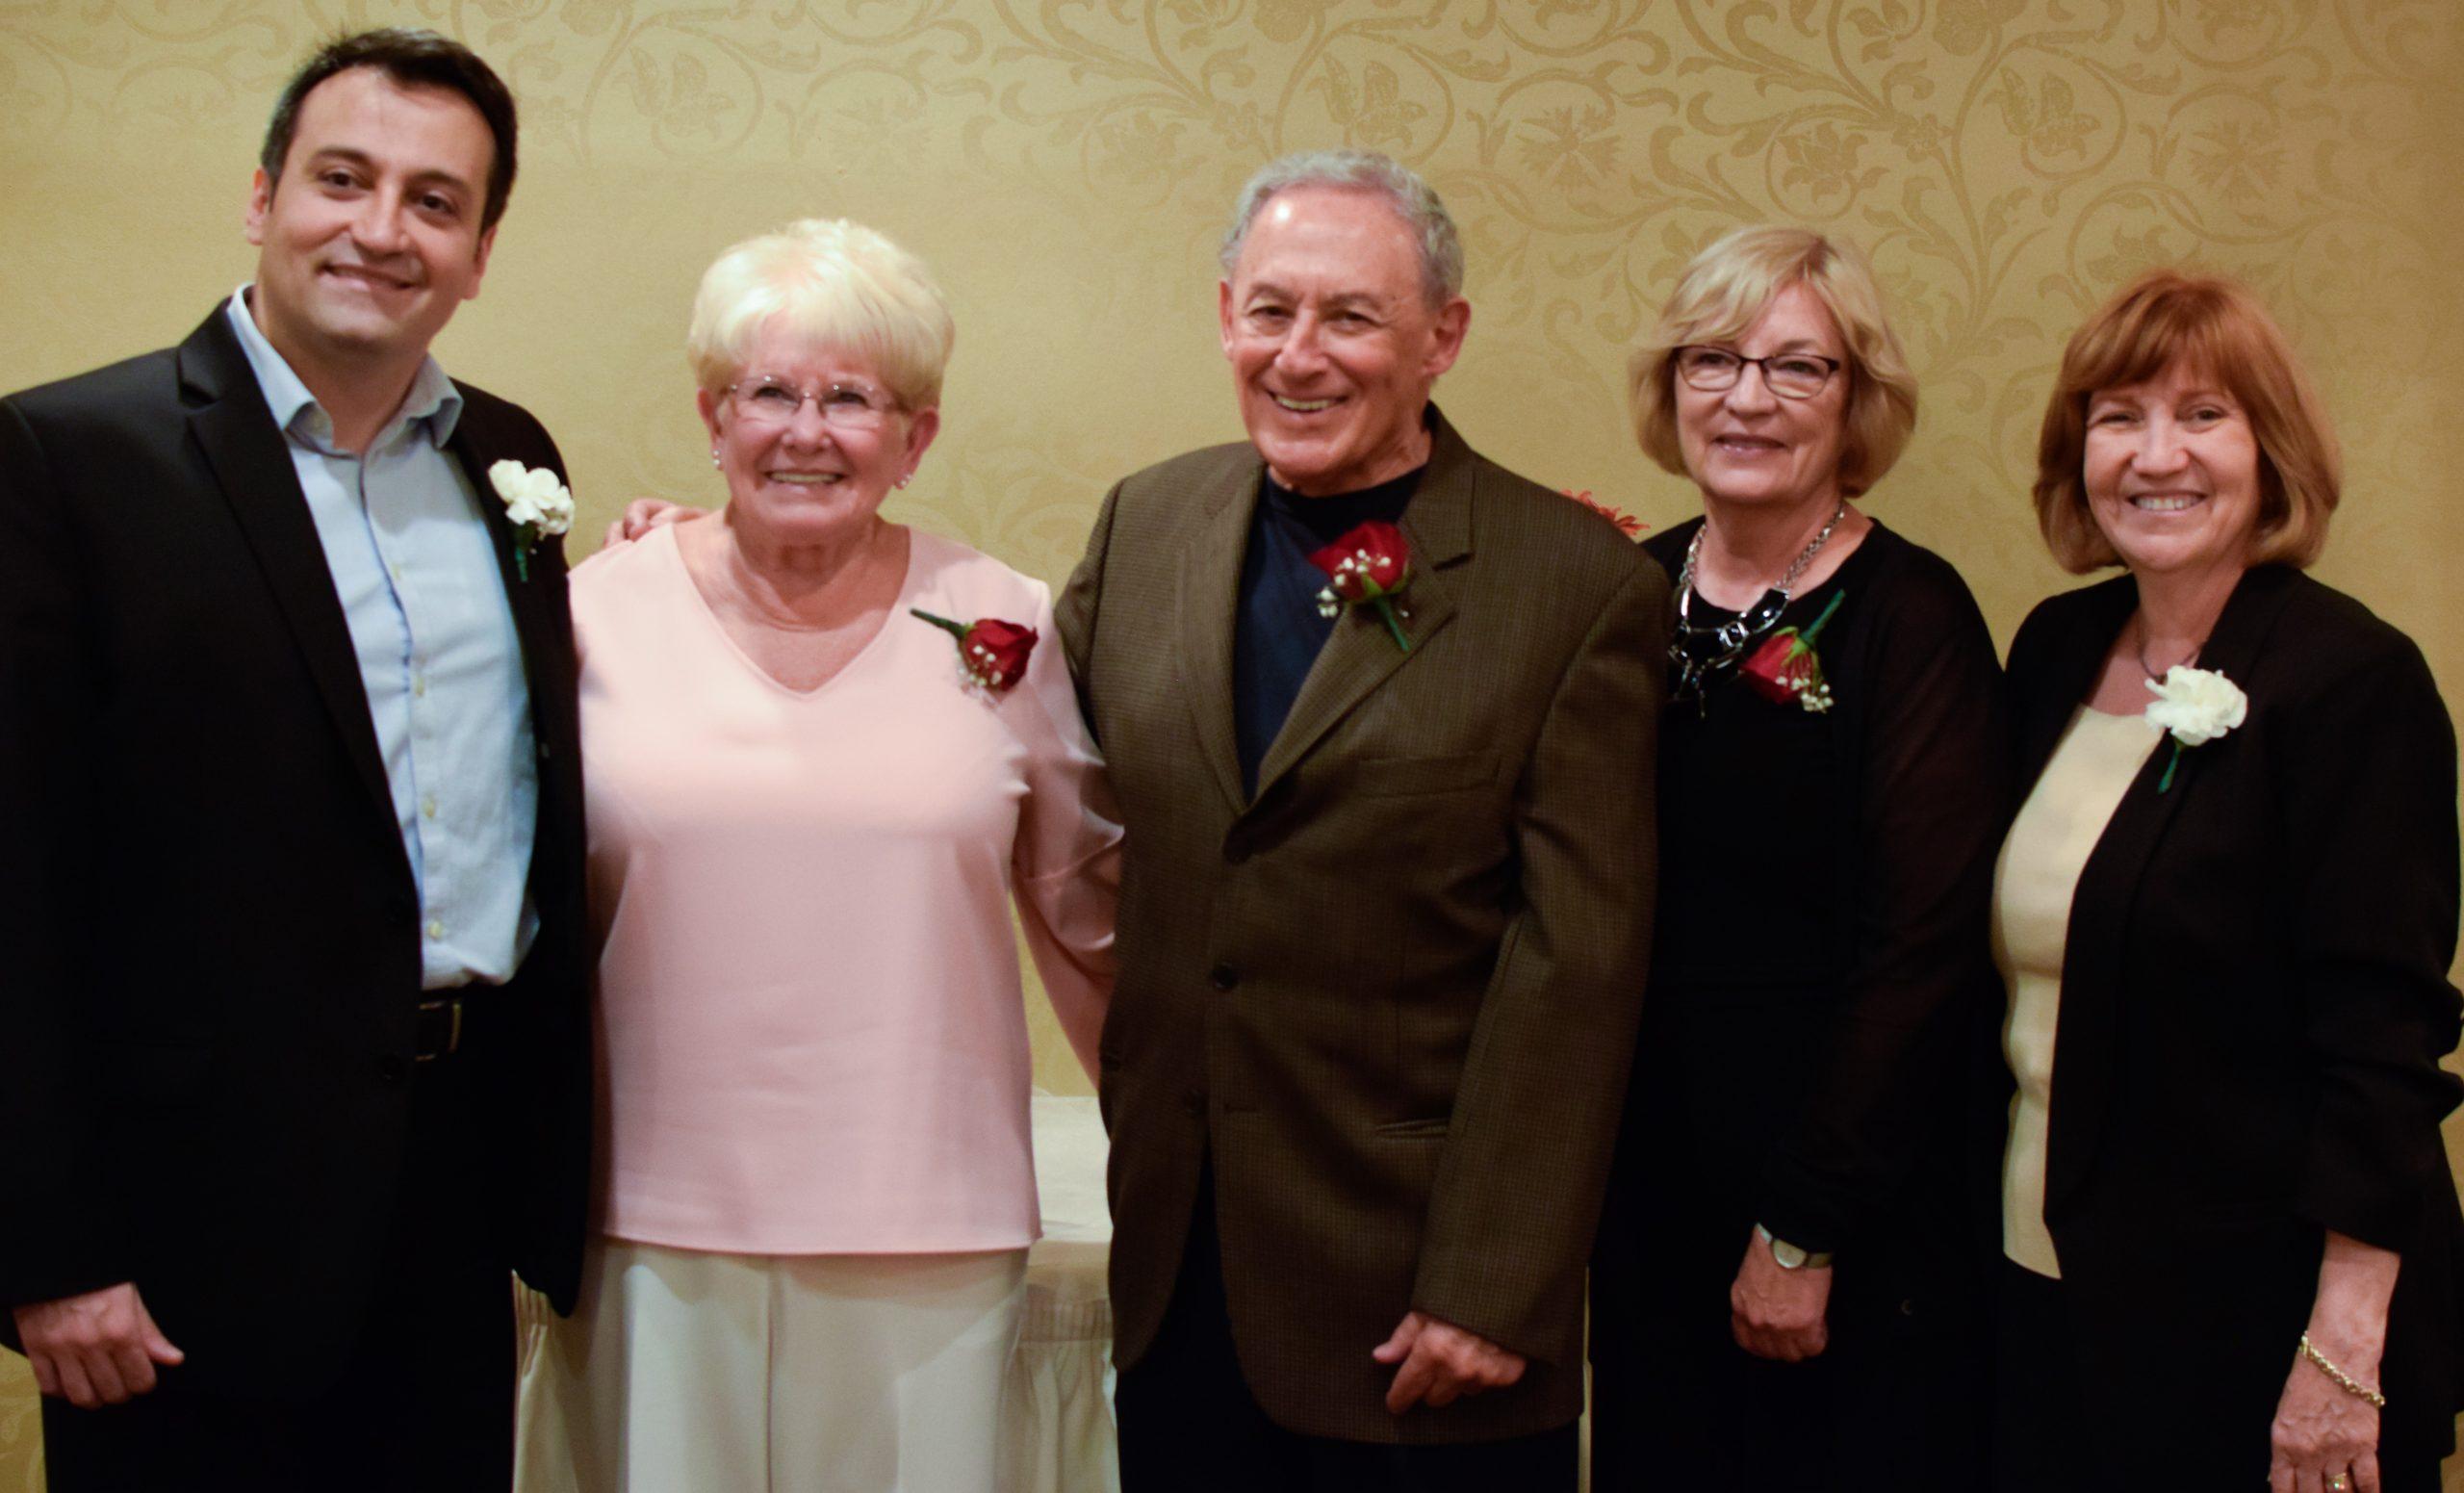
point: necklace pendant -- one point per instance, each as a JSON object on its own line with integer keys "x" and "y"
{"x": 1699, "y": 653}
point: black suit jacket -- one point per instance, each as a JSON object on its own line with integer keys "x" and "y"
{"x": 211, "y": 924}
{"x": 2254, "y": 1003}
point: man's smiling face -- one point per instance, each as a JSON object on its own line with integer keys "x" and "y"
{"x": 370, "y": 239}
{"x": 1332, "y": 341}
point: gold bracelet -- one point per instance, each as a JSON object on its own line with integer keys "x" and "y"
{"x": 2344, "y": 1381}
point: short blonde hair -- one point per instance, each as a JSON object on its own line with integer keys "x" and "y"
{"x": 2168, "y": 317}
{"x": 1733, "y": 282}
{"x": 832, "y": 284}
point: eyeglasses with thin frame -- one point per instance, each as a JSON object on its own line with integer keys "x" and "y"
{"x": 1791, "y": 375}
{"x": 770, "y": 401}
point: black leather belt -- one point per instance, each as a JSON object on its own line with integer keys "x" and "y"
{"x": 437, "y": 1032}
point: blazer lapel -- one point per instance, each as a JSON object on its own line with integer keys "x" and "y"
{"x": 251, "y": 464}
{"x": 477, "y": 448}
{"x": 2095, "y": 966}
{"x": 1210, "y": 609}
{"x": 1361, "y": 655}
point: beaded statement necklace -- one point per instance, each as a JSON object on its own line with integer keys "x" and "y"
{"x": 1697, "y": 655}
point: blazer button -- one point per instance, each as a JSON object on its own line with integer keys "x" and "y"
{"x": 1223, "y": 977}
{"x": 392, "y": 1070}
{"x": 1237, "y": 851}
{"x": 1194, "y": 1102}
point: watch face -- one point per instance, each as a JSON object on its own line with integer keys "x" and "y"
{"x": 1789, "y": 1256}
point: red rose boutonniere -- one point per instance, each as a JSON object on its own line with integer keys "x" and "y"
{"x": 1371, "y": 566}
{"x": 1627, "y": 524}
{"x": 1786, "y": 667}
{"x": 993, "y": 651}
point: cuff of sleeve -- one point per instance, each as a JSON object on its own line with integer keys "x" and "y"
{"x": 2385, "y": 1217}
{"x": 1494, "y": 1321}
{"x": 1797, "y": 1208}
{"x": 25, "y": 1287}
{"x": 53, "y": 1249}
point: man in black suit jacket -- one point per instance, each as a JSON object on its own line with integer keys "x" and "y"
{"x": 291, "y": 845}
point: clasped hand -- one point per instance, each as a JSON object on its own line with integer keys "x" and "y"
{"x": 94, "y": 1350}
{"x": 1441, "y": 1363}
{"x": 1778, "y": 1314}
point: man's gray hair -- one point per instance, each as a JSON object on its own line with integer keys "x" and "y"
{"x": 1433, "y": 228}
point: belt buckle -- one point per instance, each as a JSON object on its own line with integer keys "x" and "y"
{"x": 451, "y": 1005}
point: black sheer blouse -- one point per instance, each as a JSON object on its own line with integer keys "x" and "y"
{"x": 1823, "y": 885}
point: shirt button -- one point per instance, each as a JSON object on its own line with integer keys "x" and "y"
{"x": 419, "y": 686}
{"x": 427, "y": 806}
{"x": 435, "y": 928}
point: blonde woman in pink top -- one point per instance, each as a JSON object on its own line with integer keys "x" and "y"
{"x": 811, "y": 811}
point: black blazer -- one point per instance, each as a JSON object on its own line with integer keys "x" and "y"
{"x": 211, "y": 928}
{"x": 2254, "y": 1004}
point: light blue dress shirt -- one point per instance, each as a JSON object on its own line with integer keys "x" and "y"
{"x": 408, "y": 544}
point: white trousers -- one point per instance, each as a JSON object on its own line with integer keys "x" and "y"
{"x": 690, "y": 1373}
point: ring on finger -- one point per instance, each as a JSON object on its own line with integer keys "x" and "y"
{"x": 2337, "y": 1484}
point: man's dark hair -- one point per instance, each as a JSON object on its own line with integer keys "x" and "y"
{"x": 412, "y": 59}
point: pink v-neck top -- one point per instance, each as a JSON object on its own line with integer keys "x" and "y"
{"x": 814, "y": 1034}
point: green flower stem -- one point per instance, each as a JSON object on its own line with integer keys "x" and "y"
{"x": 956, "y": 630}
{"x": 1836, "y": 596}
{"x": 1386, "y": 609}
{"x": 2166, "y": 783}
{"x": 520, "y": 560}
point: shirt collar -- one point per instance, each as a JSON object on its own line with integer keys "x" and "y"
{"x": 433, "y": 407}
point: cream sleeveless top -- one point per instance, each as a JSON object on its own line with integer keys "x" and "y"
{"x": 2034, "y": 880}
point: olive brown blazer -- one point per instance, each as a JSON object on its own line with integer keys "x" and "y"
{"x": 1391, "y": 995}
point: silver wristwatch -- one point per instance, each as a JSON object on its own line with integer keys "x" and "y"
{"x": 1788, "y": 1257}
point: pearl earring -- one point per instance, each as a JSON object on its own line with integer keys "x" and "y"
{"x": 714, "y": 458}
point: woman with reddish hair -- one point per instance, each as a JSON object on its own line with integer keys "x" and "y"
{"x": 2225, "y": 915}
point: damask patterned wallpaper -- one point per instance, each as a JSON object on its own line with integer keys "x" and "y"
{"x": 1065, "y": 165}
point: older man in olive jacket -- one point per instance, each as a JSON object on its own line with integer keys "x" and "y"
{"x": 1386, "y": 910}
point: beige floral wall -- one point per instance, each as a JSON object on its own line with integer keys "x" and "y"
{"x": 1065, "y": 164}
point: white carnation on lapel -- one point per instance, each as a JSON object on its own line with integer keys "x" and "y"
{"x": 535, "y": 504}
{"x": 533, "y": 498}
{"x": 2196, "y": 705}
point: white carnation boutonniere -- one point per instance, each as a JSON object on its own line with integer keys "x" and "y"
{"x": 2195, "y": 706}
{"x": 535, "y": 504}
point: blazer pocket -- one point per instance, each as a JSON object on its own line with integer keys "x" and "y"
{"x": 1433, "y": 1128}
{"x": 1394, "y": 777}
